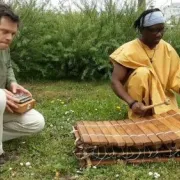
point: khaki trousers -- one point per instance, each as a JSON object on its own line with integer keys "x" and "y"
{"x": 14, "y": 125}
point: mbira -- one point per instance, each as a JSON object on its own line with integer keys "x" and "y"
{"x": 25, "y": 104}
{"x": 152, "y": 139}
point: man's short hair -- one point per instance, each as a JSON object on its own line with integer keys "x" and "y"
{"x": 6, "y": 10}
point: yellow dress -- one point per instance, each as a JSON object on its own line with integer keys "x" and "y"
{"x": 164, "y": 72}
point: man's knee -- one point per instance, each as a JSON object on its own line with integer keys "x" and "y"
{"x": 142, "y": 72}
{"x": 40, "y": 123}
{"x": 139, "y": 77}
{"x": 35, "y": 122}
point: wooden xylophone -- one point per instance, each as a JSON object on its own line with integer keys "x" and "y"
{"x": 152, "y": 139}
{"x": 26, "y": 103}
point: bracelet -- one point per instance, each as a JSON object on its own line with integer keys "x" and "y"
{"x": 131, "y": 104}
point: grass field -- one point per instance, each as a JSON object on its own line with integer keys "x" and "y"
{"x": 50, "y": 153}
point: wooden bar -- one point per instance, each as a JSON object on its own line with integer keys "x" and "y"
{"x": 91, "y": 133}
{"x": 175, "y": 118}
{"x": 95, "y": 130}
{"x": 131, "y": 133}
{"x": 166, "y": 127}
{"x": 158, "y": 129}
{"x": 118, "y": 141}
{"x": 151, "y": 160}
{"x": 145, "y": 126}
{"x": 142, "y": 136}
{"x": 131, "y": 161}
{"x": 83, "y": 133}
{"x": 104, "y": 129}
{"x": 128, "y": 141}
{"x": 129, "y": 153}
{"x": 171, "y": 122}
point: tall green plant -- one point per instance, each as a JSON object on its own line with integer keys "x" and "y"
{"x": 63, "y": 43}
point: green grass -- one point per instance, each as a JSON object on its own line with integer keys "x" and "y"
{"x": 64, "y": 103}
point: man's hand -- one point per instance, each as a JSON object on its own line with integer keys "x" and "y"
{"x": 18, "y": 89}
{"x": 10, "y": 95}
{"x": 11, "y": 101}
{"x": 138, "y": 108}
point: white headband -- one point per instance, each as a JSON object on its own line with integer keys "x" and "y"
{"x": 152, "y": 19}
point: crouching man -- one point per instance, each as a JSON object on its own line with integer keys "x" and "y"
{"x": 12, "y": 125}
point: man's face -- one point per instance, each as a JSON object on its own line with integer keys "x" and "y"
{"x": 8, "y": 29}
{"x": 153, "y": 34}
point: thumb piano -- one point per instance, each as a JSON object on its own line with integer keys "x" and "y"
{"x": 25, "y": 104}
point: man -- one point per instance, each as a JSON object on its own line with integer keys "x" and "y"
{"x": 12, "y": 125}
{"x": 146, "y": 70}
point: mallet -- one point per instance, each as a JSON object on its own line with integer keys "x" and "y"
{"x": 166, "y": 102}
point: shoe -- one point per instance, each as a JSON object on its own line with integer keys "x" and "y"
{"x": 3, "y": 159}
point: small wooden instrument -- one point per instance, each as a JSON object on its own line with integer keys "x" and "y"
{"x": 26, "y": 103}
{"x": 152, "y": 139}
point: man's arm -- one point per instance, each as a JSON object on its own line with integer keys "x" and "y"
{"x": 12, "y": 87}
{"x": 11, "y": 83}
{"x": 119, "y": 76}
{"x": 10, "y": 73}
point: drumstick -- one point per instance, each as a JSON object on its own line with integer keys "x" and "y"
{"x": 166, "y": 102}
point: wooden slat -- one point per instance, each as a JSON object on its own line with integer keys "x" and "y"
{"x": 104, "y": 129}
{"x": 145, "y": 140}
{"x": 176, "y": 120}
{"x": 131, "y": 161}
{"x": 173, "y": 112}
{"x": 83, "y": 133}
{"x": 117, "y": 137}
{"x": 94, "y": 139}
{"x": 159, "y": 129}
{"x": 171, "y": 122}
{"x": 128, "y": 141}
{"x": 154, "y": 129}
{"x": 152, "y": 160}
{"x": 101, "y": 140}
{"x": 145, "y": 125}
{"x": 131, "y": 133}
{"x": 176, "y": 117}
{"x": 166, "y": 128}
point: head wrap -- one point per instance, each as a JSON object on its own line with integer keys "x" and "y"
{"x": 153, "y": 18}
